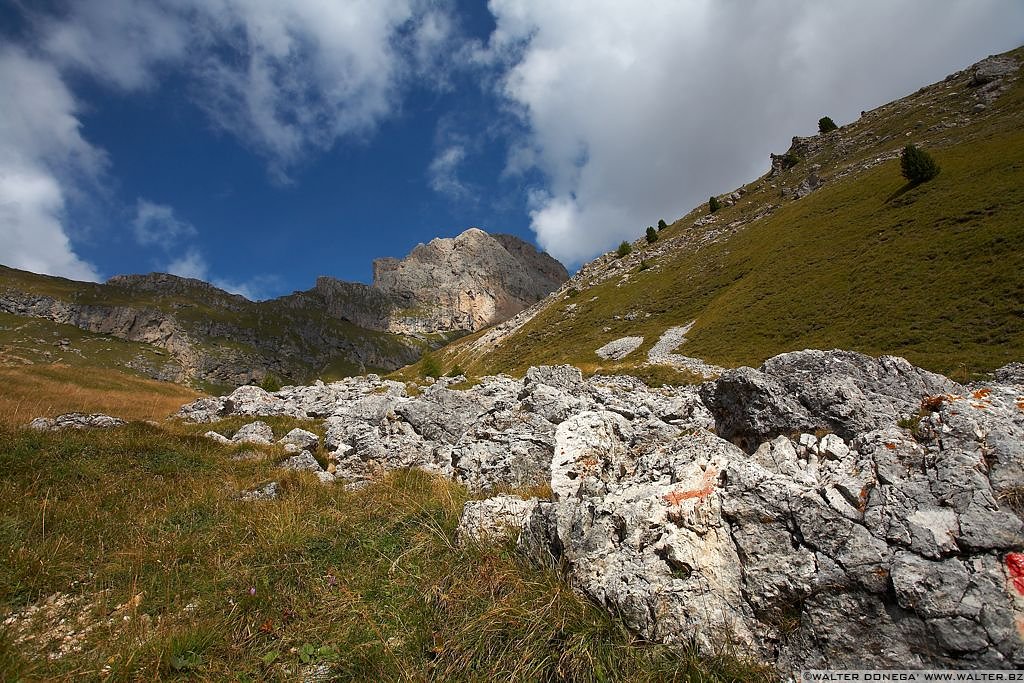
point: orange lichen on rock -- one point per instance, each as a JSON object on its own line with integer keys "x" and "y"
{"x": 676, "y": 497}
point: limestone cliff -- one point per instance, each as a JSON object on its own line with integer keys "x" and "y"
{"x": 457, "y": 284}
{"x": 465, "y": 283}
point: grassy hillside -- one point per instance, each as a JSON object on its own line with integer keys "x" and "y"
{"x": 26, "y": 341}
{"x": 48, "y": 390}
{"x": 933, "y": 272}
{"x": 291, "y": 343}
{"x": 127, "y": 555}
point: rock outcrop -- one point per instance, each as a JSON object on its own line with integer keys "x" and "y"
{"x": 75, "y": 421}
{"x": 221, "y": 340}
{"x": 457, "y": 284}
{"x": 869, "y": 517}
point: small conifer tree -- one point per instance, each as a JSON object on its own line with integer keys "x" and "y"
{"x": 662, "y": 224}
{"x": 714, "y": 204}
{"x": 430, "y": 366}
{"x": 917, "y": 165}
{"x": 625, "y": 249}
{"x": 826, "y": 125}
{"x": 271, "y": 383}
{"x": 652, "y": 234}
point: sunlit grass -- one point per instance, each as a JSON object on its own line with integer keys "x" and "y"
{"x": 142, "y": 529}
{"x": 931, "y": 272}
{"x": 31, "y": 391}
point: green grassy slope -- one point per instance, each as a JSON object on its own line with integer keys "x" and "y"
{"x": 302, "y": 342}
{"x": 127, "y": 555}
{"x": 28, "y": 341}
{"x": 934, "y": 272}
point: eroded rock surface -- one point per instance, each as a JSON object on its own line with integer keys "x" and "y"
{"x": 619, "y": 348}
{"x": 75, "y": 421}
{"x": 500, "y": 433}
{"x": 460, "y": 283}
{"x": 828, "y": 510}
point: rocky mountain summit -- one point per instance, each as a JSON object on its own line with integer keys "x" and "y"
{"x": 457, "y": 284}
{"x": 826, "y": 510}
{"x": 443, "y": 289}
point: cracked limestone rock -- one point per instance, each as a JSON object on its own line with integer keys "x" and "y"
{"x": 493, "y": 518}
{"x": 828, "y": 510}
{"x": 75, "y": 421}
{"x": 867, "y": 547}
{"x": 255, "y": 432}
{"x": 300, "y": 438}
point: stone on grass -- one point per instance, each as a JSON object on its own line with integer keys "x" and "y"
{"x": 255, "y": 432}
{"x": 75, "y": 421}
{"x": 301, "y": 438}
{"x": 619, "y": 348}
{"x": 218, "y": 437}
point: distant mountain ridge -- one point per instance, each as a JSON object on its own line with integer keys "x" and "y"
{"x": 442, "y": 290}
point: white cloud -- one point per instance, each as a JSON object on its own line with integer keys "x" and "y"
{"x": 286, "y": 78}
{"x": 118, "y": 41}
{"x": 190, "y": 264}
{"x": 156, "y": 224}
{"x": 444, "y": 173}
{"x": 256, "y": 288}
{"x": 637, "y": 112}
{"x": 193, "y": 264}
{"x": 43, "y": 157}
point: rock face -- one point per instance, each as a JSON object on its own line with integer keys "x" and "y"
{"x": 458, "y": 284}
{"x": 868, "y": 517}
{"x": 190, "y": 320}
{"x": 838, "y": 391}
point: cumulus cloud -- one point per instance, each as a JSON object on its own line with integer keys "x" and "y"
{"x": 193, "y": 264}
{"x": 637, "y": 112}
{"x": 444, "y": 173}
{"x": 286, "y": 78}
{"x": 190, "y": 264}
{"x": 118, "y": 41}
{"x": 156, "y": 224}
{"x": 42, "y": 155}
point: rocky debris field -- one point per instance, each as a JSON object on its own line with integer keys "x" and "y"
{"x": 826, "y": 510}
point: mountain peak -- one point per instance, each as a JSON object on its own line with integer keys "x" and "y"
{"x": 463, "y": 283}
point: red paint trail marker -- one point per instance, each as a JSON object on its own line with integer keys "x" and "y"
{"x": 1015, "y": 565}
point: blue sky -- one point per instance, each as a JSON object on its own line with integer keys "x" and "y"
{"x": 257, "y": 144}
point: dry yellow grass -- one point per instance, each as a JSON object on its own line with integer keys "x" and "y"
{"x": 31, "y": 391}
